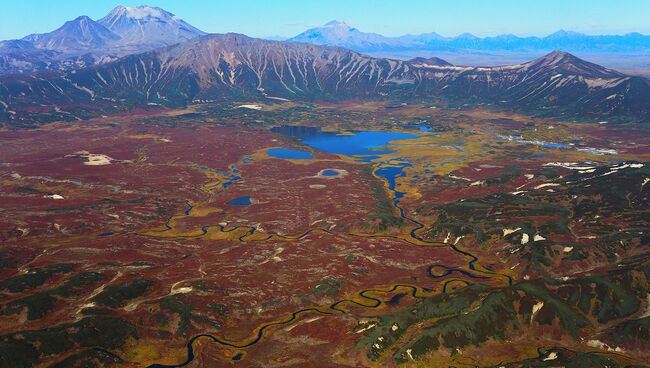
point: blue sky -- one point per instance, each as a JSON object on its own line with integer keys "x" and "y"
{"x": 389, "y": 17}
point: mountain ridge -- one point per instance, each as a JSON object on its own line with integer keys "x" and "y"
{"x": 233, "y": 66}
{"x": 561, "y": 39}
{"x": 123, "y": 31}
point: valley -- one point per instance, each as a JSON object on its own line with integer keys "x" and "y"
{"x": 382, "y": 234}
{"x": 207, "y": 195}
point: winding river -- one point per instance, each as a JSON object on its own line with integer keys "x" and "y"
{"x": 366, "y": 150}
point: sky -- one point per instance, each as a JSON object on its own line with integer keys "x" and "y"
{"x": 263, "y": 18}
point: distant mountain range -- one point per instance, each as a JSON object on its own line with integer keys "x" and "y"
{"x": 145, "y": 56}
{"x": 340, "y": 34}
{"x": 129, "y": 30}
{"x": 83, "y": 42}
{"x": 235, "y": 67}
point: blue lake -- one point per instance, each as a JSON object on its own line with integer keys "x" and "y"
{"x": 390, "y": 174}
{"x": 328, "y": 172}
{"x": 555, "y": 145}
{"x": 363, "y": 145}
{"x": 241, "y": 201}
{"x": 358, "y": 143}
{"x": 290, "y": 154}
{"x": 355, "y": 143}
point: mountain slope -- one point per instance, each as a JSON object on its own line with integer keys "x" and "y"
{"x": 80, "y": 34}
{"x": 124, "y": 31}
{"x": 235, "y": 66}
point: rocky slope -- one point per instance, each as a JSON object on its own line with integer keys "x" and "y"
{"x": 235, "y": 66}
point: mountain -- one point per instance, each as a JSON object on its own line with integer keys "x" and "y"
{"x": 435, "y": 61}
{"x": 18, "y": 56}
{"x": 82, "y": 41}
{"x": 78, "y": 35}
{"x": 340, "y": 34}
{"x": 232, "y": 66}
{"x": 150, "y": 26}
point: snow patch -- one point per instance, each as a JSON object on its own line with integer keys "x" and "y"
{"x": 251, "y": 107}
{"x": 547, "y": 185}
{"x": 507, "y": 232}
{"x": 54, "y": 196}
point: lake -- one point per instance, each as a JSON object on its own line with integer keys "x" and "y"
{"x": 354, "y": 143}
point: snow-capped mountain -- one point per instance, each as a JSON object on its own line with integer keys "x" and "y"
{"x": 150, "y": 26}
{"x": 336, "y": 33}
{"x": 83, "y": 41}
{"x": 340, "y": 34}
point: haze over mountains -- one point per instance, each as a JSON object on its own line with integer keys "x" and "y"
{"x": 128, "y": 30}
{"x": 337, "y": 33}
{"x": 144, "y": 56}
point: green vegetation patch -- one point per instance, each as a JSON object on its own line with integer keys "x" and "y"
{"x": 328, "y": 286}
{"x": 35, "y": 277}
{"x": 116, "y": 296}
{"x": 25, "y": 349}
{"x": 180, "y": 305}
{"x": 494, "y": 317}
{"x": 41, "y": 303}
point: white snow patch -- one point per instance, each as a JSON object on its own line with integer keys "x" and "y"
{"x": 547, "y": 185}
{"x": 366, "y": 328}
{"x": 54, "y": 196}
{"x": 250, "y": 106}
{"x": 551, "y": 356}
{"x": 408, "y": 352}
{"x": 536, "y": 309}
{"x": 142, "y": 12}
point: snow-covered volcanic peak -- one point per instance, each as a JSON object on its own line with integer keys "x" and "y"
{"x": 337, "y": 33}
{"x": 337, "y": 26}
{"x": 148, "y": 25}
{"x": 141, "y": 12}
